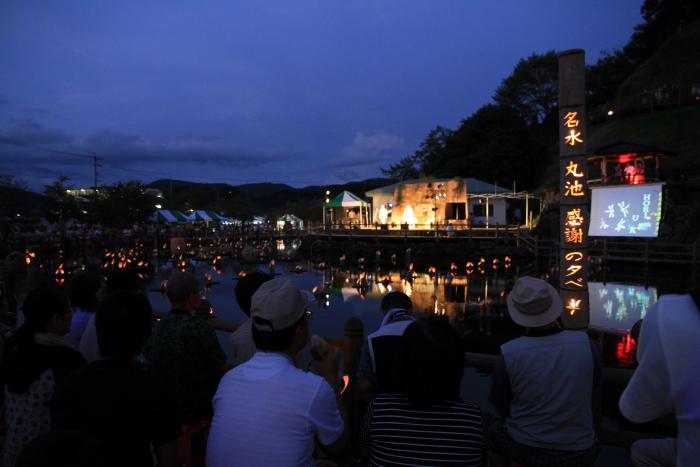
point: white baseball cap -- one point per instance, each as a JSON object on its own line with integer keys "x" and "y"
{"x": 278, "y": 304}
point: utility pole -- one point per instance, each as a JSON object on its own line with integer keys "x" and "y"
{"x": 95, "y": 166}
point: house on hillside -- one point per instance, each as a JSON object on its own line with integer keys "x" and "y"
{"x": 457, "y": 202}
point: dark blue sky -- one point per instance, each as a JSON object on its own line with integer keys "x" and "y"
{"x": 296, "y": 91}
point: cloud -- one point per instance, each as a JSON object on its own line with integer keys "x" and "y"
{"x": 28, "y": 147}
{"x": 39, "y": 111}
{"x": 369, "y": 150}
{"x": 373, "y": 144}
{"x": 120, "y": 149}
{"x": 347, "y": 175}
{"x": 106, "y": 137}
{"x": 29, "y": 131}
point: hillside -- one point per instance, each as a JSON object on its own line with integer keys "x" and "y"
{"x": 671, "y": 76}
{"x": 15, "y": 201}
{"x": 676, "y": 129}
{"x": 660, "y": 102}
{"x": 244, "y": 201}
{"x": 256, "y": 190}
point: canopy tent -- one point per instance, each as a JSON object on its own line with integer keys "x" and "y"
{"x": 169, "y": 215}
{"x": 347, "y": 203}
{"x": 293, "y": 221}
{"x": 207, "y": 216}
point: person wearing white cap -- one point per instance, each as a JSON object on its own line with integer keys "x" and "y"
{"x": 266, "y": 411}
{"x": 545, "y": 384}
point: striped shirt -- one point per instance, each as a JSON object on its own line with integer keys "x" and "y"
{"x": 395, "y": 433}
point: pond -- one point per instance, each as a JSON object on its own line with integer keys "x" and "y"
{"x": 471, "y": 295}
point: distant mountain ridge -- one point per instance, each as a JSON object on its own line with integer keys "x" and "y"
{"x": 247, "y": 200}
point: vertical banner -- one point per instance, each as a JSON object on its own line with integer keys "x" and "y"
{"x": 573, "y": 189}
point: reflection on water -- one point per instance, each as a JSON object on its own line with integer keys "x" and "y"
{"x": 616, "y": 307}
{"x": 471, "y": 295}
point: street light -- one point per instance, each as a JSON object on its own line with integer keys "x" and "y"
{"x": 325, "y": 209}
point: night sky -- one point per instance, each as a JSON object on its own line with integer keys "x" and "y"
{"x": 294, "y": 91}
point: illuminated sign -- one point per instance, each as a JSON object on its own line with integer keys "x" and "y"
{"x": 573, "y": 189}
{"x": 571, "y": 122}
{"x": 573, "y": 305}
{"x": 626, "y": 210}
{"x": 573, "y": 170}
{"x": 573, "y": 269}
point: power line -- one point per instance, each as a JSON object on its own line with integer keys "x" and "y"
{"x": 11, "y": 142}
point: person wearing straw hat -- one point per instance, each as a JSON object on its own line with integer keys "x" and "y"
{"x": 543, "y": 384}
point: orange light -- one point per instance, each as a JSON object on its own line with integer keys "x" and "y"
{"x": 573, "y": 306}
{"x": 346, "y": 383}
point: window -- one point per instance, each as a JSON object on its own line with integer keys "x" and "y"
{"x": 479, "y": 210}
{"x": 455, "y": 211}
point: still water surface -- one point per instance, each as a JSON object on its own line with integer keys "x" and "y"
{"x": 471, "y": 296}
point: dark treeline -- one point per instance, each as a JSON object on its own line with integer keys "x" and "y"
{"x": 124, "y": 203}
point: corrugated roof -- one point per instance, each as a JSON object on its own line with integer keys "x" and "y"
{"x": 474, "y": 186}
{"x": 346, "y": 199}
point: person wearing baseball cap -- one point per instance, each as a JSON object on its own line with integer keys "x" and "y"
{"x": 266, "y": 411}
{"x": 545, "y": 384}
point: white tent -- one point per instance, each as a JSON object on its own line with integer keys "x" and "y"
{"x": 342, "y": 209}
{"x": 293, "y": 221}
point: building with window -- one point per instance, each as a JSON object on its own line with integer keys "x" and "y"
{"x": 457, "y": 202}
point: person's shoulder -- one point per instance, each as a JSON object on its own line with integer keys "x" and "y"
{"x": 578, "y": 336}
{"x": 674, "y": 306}
{"x": 468, "y": 408}
{"x": 244, "y": 331}
{"x": 513, "y": 343}
{"x": 306, "y": 384}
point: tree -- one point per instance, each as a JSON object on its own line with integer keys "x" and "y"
{"x": 124, "y": 204}
{"x": 494, "y": 144}
{"x": 60, "y": 205}
{"x": 239, "y": 207}
{"x": 533, "y": 87}
{"x": 9, "y": 181}
{"x": 662, "y": 18}
{"x": 411, "y": 166}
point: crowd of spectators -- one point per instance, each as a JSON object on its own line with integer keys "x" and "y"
{"x": 75, "y": 240}
{"x": 91, "y": 368}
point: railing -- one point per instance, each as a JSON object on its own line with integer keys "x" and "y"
{"x": 419, "y": 231}
{"x": 645, "y": 251}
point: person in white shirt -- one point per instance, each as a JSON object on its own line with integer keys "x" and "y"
{"x": 82, "y": 290}
{"x": 266, "y": 411}
{"x": 667, "y": 380}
